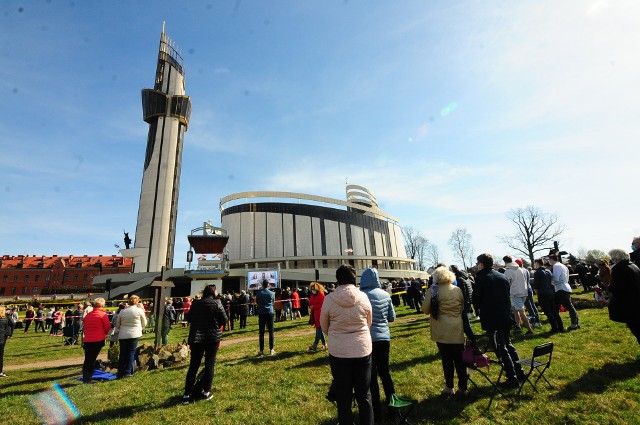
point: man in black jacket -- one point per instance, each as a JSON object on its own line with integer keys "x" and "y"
{"x": 491, "y": 296}
{"x": 542, "y": 283}
{"x": 635, "y": 251}
{"x": 625, "y": 291}
{"x": 206, "y": 317}
{"x": 464, "y": 283}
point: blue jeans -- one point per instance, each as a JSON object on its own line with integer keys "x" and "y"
{"x": 319, "y": 337}
{"x": 127, "y": 354}
{"x": 288, "y": 311}
{"x": 531, "y": 307}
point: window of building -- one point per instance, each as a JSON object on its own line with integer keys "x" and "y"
{"x": 76, "y": 277}
{"x": 37, "y": 279}
{"x": 26, "y": 278}
{"x": 5, "y": 278}
{"x": 75, "y": 287}
{"x": 86, "y": 276}
{"x": 66, "y": 276}
{"x": 2, "y": 288}
{"x": 15, "y": 278}
{"x": 47, "y": 277}
{"x": 13, "y": 290}
{"x": 35, "y": 289}
{"x": 24, "y": 289}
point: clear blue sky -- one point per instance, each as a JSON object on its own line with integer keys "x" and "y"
{"x": 451, "y": 113}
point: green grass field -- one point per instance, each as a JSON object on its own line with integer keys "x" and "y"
{"x": 595, "y": 373}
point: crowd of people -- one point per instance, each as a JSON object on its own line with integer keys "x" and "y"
{"x": 352, "y": 322}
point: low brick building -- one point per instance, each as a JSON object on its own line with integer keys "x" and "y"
{"x": 26, "y": 275}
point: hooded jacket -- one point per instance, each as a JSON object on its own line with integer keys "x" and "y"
{"x": 346, "y": 317}
{"x": 382, "y": 308}
{"x": 206, "y": 317}
{"x": 517, "y": 280}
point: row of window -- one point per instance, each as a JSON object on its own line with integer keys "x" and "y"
{"x": 35, "y": 289}
{"x": 47, "y": 277}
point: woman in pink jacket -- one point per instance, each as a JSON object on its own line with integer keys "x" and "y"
{"x": 346, "y": 317}
{"x": 315, "y": 303}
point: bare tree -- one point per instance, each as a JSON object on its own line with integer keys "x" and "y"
{"x": 433, "y": 254}
{"x": 460, "y": 243}
{"x": 422, "y": 244}
{"x": 415, "y": 244}
{"x": 535, "y": 230}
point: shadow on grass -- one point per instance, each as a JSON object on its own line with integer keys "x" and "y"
{"x": 120, "y": 412}
{"x": 397, "y": 366}
{"x": 598, "y": 380}
{"x": 37, "y": 390}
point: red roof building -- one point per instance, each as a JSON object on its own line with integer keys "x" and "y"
{"x": 25, "y": 275}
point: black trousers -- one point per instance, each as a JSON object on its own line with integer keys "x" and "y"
{"x": 1, "y": 357}
{"x": 243, "y": 321}
{"x": 91, "y": 351}
{"x": 452, "y": 359}
{"x": 501, "y": 342}
{"x": 548, "y": 304}
{"x": 380, "y": 367}
{"x": 352, "y": 376}
{"x": 563, "y": 298}
{"x": 265, "y": 320}
{"x": 210, "y": 351}
{"x": 27, "y": 323}
{"x": 634, "y": 327}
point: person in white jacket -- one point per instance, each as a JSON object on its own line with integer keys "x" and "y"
{"x": 129, "y": 325}
{"x": 518, "y": 291}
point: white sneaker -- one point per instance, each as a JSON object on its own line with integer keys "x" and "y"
{"x": 272, "y": 352}
{"x": 447, "y": 391}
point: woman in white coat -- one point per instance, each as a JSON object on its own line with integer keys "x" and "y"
{"x": 129, "y": 325}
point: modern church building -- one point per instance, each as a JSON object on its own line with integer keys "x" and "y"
{"x": 290, "y": 238}
{"x": 306, "y": 237}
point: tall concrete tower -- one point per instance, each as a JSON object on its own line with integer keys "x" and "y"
{"x": 167, "y": 110}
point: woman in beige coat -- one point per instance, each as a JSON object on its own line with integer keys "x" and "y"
{"x": 444, "y": 303}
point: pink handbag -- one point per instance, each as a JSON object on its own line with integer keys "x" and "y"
{"x": 473, "y": 358}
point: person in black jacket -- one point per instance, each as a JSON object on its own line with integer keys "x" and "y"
{"x": 542, "y": 283}
{"x": 6, "y": 331}
{"x": 634, "y": 256}
{"x": 625, "y": 290}
{"x": 464, "y": 283}
{"x": 491, "y": 295}
{"x": 206, "y": 316}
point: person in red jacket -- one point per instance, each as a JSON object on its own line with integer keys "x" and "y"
{"x": 315, "y": 303}
{"x": 96, "y": 327}
{"x": 295, "y": 303}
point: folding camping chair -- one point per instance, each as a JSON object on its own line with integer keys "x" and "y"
{"x": 401, "y": 407}
{"x": 539, "y": 362}
{"x": 69, "y": 335}
{"x": 490, "y": 347}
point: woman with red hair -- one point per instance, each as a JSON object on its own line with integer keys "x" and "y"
{"x": 315, "y": 303}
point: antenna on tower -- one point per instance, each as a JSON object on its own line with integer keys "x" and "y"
{"x": 163, "y": 23}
